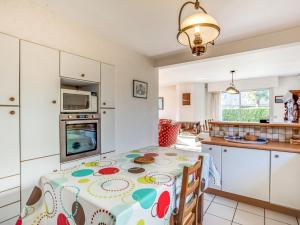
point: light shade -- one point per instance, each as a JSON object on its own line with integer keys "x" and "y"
{"x": 232, "y": 90}
{"x": 199, "y": 23}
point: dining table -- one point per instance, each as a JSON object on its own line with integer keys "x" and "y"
{"x": 114, "y": 190}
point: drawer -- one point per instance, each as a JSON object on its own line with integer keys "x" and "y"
{"x": 9, "y": 211}
{"x": 9, "y": 183}
{"x": 11, "y": 221}
{"x": 10, "y": 196}
{"x": 108, "y": 155}
{"x": 75, "y": 163}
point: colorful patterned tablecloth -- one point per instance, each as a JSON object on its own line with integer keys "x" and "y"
{"x": 113, "y": 190}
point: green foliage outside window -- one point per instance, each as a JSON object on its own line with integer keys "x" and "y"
{"x": 246, "y": 114}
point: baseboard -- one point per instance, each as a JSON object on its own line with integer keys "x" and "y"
{"x": 255, "y": 202}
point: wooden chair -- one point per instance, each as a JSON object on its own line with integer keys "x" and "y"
{"x": 188, "y": 212}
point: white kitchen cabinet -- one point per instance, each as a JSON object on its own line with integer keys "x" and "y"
{"x": 76, "y": 67}
{"x": 9, "y": 212}
{"x": 215, "y": 152}
{"x": 107, "y": 86}
{"x": 9, "y": 133}
{"x": 40, "y": 96}
{"x": 285, "y": 179}
{"x": 79, "y": 162}
{"x": 10, "y": 196}
{"x": 108, "y": 155}
{"x": 107, "y": 130}
{"x": 8, "y": 183}
{"x": 246, "y": 172}
{"x": 33, "y": 170}
{"x": 9, "y": 70}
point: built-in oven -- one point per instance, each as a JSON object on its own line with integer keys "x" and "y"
{"x": 79, "y": 136}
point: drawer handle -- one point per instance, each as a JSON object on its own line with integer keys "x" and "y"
{"x": 83, "y": 75}
{"x": 12, "y": 112}
{"x": 210, "y": 149}
{"x": 276, "y": 156}
{"x": 225, "y": 150}
{"x": 12, "y": 99}
{"x": 54, "y": 101}
{"x": 104, "y": 103}
{"x": 104, "y": 112}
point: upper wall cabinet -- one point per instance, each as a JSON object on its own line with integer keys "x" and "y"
{"x": 40, "y": 95}
{"x": 9, "y": 70}
{"x": 285, "y": 179}
{"x": 76, "y": 67}
{"x": 107, "y": 86}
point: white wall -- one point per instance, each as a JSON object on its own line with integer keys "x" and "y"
{"x": 170, "y": 104}
{"x": 136, "y": 119}
{"x": 173, "y": 102}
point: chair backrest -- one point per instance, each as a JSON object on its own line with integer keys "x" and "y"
{"x": 188, "y": 211}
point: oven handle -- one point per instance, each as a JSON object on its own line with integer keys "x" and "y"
{"x": 81, "y": 121}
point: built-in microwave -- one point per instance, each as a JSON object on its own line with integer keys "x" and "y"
{"x": 77, "y": 101}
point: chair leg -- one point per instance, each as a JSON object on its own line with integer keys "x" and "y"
{"x": 200, "y": 209}
{"x": 172, "y": 222}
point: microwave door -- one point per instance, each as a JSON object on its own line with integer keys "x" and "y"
{"x": 75, "y": 101}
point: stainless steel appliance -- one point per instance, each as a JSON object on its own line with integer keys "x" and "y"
{"x": 79, "y": 136}
{"x": 76, "y": 101}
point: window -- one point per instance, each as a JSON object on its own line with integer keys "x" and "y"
{"x": 248, "y": 106}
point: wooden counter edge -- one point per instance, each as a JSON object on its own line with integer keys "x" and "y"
{"x": 291, "y": 125}
{"x": 271, "y": 146}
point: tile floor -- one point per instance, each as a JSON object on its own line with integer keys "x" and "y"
{"x": 222, "y": 211}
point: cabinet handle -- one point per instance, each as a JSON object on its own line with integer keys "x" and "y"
{"x": 104, "y": 103}
{"x": 54, "y": 101}
{"x": 83, "y": 75}
{"x": 104, "y": 112}
{"x": 276, "y": 156}
{"x": 54, "y": 171}
{"x": 12, "y": 112}
{"x": 12, "y": 99}
{"x": 210, "y": 149}
{"x": 225, "y": 150}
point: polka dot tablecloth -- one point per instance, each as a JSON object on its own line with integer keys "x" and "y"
{"x": 112, "y": 191}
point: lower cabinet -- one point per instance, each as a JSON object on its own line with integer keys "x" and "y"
{"x": 246, "y": 172}
{"x": 79, "y": 162}
{"x": 33, "y": 170}
{"x": 107, "y": 130}
{"x": 215, "y": 152}
{"x": 9, "y": 213}
{"x": 285, "y": 179}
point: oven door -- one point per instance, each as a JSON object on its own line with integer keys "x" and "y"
{"x": 75, "y": 101}
{"x": 79, "y": 139}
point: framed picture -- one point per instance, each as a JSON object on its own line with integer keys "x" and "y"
{"x": 186, "y": 99}
{"x": 140, "y": 89}
{"x": 279, "y": 99}
{"x": 161, "y": 103}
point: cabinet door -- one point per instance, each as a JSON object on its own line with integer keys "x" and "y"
{"x": 9, "y": 70}
{"x": 77, "y": 67}
{"x": 215, "y": 152}
{"x": 107, "y": 130}
{"x": 9, "y": 133}
{"x": 33, "y": 170}
{"x": 40, "y": 89}
{"x": 246, "y": 172}
{"x": 285, "y": 179}
{"x": 107, "y": 86}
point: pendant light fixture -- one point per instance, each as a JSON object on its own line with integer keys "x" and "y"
{"x": 232, "y": 89}
{"x": 198, "y": 30}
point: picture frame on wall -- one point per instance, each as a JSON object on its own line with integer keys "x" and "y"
{"x": 140, "y": 89}
{"x": 279, "y": 99}
{"x": 161, "y": 103}
{"x": 186, "y": 99}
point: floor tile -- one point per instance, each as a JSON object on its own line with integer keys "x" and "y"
{"x": 246, "y": 218}
{"x": 222, "y": 211}
{"x": 273, "y": 222}
{"x": 251, "y": 209}
{"x": 208, "y": 197}
{"x": 205, "y": 205}
{"x": 281, "y": 217}
{"x": 225, "y": 201}
{"x": 214, "y": 220}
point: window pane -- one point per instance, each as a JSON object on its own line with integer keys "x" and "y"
{"x": 230, "y": 101}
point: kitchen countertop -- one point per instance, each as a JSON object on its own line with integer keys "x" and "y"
{"x": 221, "y": 123}
{"x": 272, "y": 145}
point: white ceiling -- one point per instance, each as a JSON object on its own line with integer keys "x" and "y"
{"x": 277, "y": 61}
{"x": 150, "y": 26}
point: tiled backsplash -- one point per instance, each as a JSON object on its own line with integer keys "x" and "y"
{"x": 281, "y": 134}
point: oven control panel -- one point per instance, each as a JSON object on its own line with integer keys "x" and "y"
{"x": 79, "y": 116}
